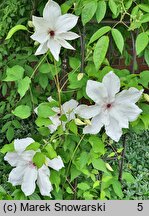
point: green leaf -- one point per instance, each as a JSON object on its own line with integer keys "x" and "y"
{"x": 33, "y": 146}
{"x": 89, "y": 11}
{"x": 128, "y": 4}
{"x": 69, "y": 190}
{"x": 44, "y": 68}
{"x": 40, "y": 121}
{"x": 43, "y": 81}
{"x": 144, "y": 18}
{"x": 55, "y": 179}
{"x": 118, "y": 38}
{"x": 19, "y": 195}
{"x": 100, "y": 51}
{"x": 22, "y": 111}
{"x": 144, "y": 78}
{"x": 15, "y": 73}
{"x": 99, "y": 33}
{"x": 128, "y": 177}
{"x": 45, "y": 111}
{"x": 74, "y": 172}
{"x": 65, "y": 7}
{"x": 7, "y": 148}
{"x": 10, "y": 134}
{"x": 63, "y": 118}
{"x": 145, "y": 119}
{"x": 97, "y": 144}
{"x": 101, "y": 10}
{"x": 73, "y": 127}
{"x": 23, "y": 86}
{"x": 44, "y": 131}
{"x": 144, "y": 7}
{"x": 113, "y": 6}
{"x": 34, "y": 196}
{"x": 74, "y": 62}
{"x": 141, "y": 42}
{"x": 146, "y": 56}
{"x": 16, "y": 124}
{"x": 51, "y": 152}
{"x": 99, "y": 164}
{"x": 14, "y": 30}
{"x": 117, "y": 188}
{"x": 2, "y": 190}
{"x": 83, "y": 186}
{"x": 39, "y": 159}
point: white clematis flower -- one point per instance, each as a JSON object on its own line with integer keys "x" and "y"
{"x": 26, "y": 173}
{"x": 67, "y": 109}
{"x": 112, "y": 109}
{"x": 52, "y": 30}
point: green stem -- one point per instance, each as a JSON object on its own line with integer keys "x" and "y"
{"x": 38, "y": 65}
{"x": 74, "y": 154}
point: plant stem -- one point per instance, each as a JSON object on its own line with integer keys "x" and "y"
{"x": 134, "y": 53}
{"x": 122, "y": 159}
{"x": 82, "y": 40}
{"x": 74, "y": 154}
{"x": 38, "y": 65}
{"x": 58, "y": 87}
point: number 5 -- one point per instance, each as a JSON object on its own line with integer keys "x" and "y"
{"x": 140, "y": 207}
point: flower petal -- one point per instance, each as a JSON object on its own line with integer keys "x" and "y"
{"x": 51, "y": 12}
{"x": 119, "y": 116}
{"x": 88, "y": 112}
{"x": 64, "y": 43}
{"x": 12, "y": 158}
{"x": 114, "y": 130}
{"x": 65, "y": 22}
{"x": 127, "y": 96}
{"x": 27, "y": 156}
{"x": 42, "y": 49}
{"x": 129, "y": 110}
{"x": 96, "y": 91}
{"x": 69, "y": 106}
{"x": 16, "y": 175}
{"x": 41, "y": 37}
{"x": 69, "y": 36}
{"x": 21, "y": 144}
{"x": 40, "y": 24}
{"x": 112, "y": 84}
{"x": 43, "y": 181}
{"x": 54, "y": 47}
{"x": 96, "y": 125}
{"x": 50, "y": 99}
{"x": 55, "y": 123}
{"x": 28, "y": 184}
{"x": 55, "y": 163}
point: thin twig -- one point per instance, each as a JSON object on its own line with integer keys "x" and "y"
{"x": 134, "y": 61}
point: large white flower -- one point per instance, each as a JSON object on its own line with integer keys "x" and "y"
{"x": 52, "y": 30}
{"x": 26, "y": 173}
{"x": 112, "y": 109}
{"x": 67, "y": 109}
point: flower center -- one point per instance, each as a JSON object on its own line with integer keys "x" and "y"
{"x": 31, "y": 164}
{"x": 108, "y": 106}
{"x": 51, "y": 33}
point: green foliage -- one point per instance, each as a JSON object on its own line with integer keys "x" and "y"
{"x": 91, "y": 162}
{"x": 39, "y": 159}
{"x": 100, "y": 51}
{"x": 118, "y": 38}
{"x": 141, "y": 42}
{"x": 22, "y": 111}
{"x": 15, "y": 29}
